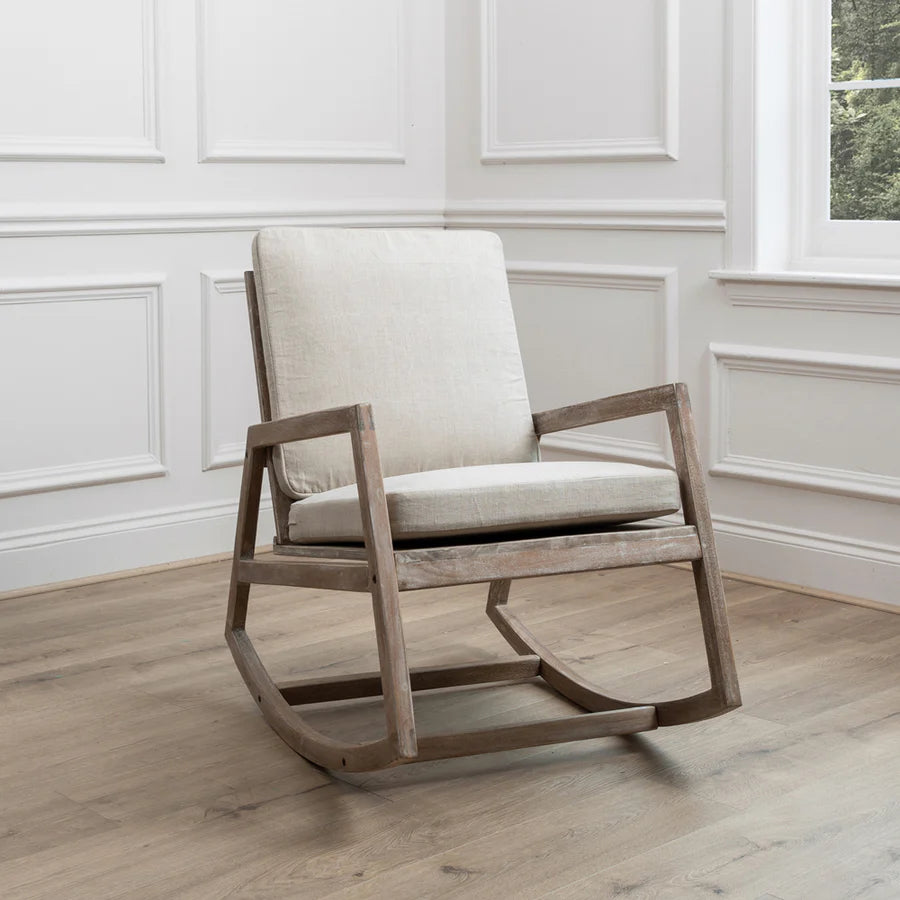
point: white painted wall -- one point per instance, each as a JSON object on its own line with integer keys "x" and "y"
{"x": 600, "y": 139}
{"x": 144, "y": 143}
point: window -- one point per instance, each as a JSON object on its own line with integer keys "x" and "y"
{"x": 865, "y": 110}
{"x": 813, "y": 123}
{"x": 847, "y": 157}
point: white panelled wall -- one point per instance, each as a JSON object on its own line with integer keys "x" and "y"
{"x": 150, "y": 138}
{"x": 144, "y": 143}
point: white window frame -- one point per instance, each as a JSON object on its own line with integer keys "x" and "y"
{"x": 778, "y": 173}
{"x": 824, "y": 242}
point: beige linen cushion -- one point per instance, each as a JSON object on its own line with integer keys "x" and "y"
{"x": 417, "y": 322}
{"x": 494, "y": 498}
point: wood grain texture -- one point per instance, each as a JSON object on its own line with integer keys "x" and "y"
{"x": 334, "y": 575}
{"x": 421, "y": 678}
{"x": 536, "y": 734}
{"x": 132, "y": 763}
{"x": 527, "y": 558}
{"x": 605, "y": 409}
{"x": 388, "y": 571}
{"x": 396, "y": 690}
{"x": 724, "y": 689}
{"x": 281, "y": 502}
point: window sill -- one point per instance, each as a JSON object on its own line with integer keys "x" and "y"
{"x": 808, "y": 279}
{"x": 823, "y": 291}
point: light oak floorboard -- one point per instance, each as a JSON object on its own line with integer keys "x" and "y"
{"x": 133, "y": 762}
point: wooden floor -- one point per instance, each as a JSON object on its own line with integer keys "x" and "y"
{"x": 133, "y": 762}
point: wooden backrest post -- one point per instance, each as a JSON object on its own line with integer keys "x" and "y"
{"x": 281, "y": 502}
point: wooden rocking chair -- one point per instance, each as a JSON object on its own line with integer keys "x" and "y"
{"x": 418, "y": 324}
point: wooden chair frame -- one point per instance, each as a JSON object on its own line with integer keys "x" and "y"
{"x": 383, "y": 571}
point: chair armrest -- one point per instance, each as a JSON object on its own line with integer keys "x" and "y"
{"x": 663, "y": 398}
{"x": 673, "y": 400}
{"x": 358, "y": 422}
{"x": 339, "y": 420}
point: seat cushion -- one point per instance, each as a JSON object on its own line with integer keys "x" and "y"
{"x": 494, "y": 498}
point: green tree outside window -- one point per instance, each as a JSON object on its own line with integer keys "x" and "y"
{"x": 865, "y": 122}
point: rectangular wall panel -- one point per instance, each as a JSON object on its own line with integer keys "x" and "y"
{"x": 815, "y": 420}
{"x": 338, "y": 94}
{"x": 591, "y": 331}
{"x": 80, "y": 369}
{"x": 579, "y": 80}
{"x": 228, "y": 395}
{"x": 79, "y": 81}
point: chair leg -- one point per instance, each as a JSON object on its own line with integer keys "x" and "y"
{"x": 724, "y": 693}
{"x": 297, "y": 734}
{"x": 398, "y": 706}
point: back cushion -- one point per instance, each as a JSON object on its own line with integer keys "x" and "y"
{"x": 416, "y": 322}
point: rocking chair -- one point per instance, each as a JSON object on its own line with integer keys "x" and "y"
{"x": 449, "y": 490}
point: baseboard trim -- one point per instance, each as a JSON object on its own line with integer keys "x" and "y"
{"x": 123, "y": 574}
{"x": 267, "y": 548}
{"x": 821, "y": 564}
{"x": 73, "y": 551}
{"x": 800, "y": 589}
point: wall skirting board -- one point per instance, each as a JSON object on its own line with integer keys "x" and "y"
{"x": 45, "y": 558}
{"x": 826, "y": 565}
{"x": 821, "y": 562}
{"x": 79, "y": 550}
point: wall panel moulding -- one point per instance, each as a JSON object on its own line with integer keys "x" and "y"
{"x": 340, "y": 116}
{"x": 90, "y": 409}
{"x": 45, "y": 220}
{"x": 228, "y": 382}
{"x": 651, "y": 288}
{"x": 823, "y": 292}
{"x": 621, "y": 215}
{"x": 806, "y": 419}
{"x": 90, "y": 117}
{"x": 547, "y": 52}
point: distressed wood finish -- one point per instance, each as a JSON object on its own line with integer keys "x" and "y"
{"x": 281, "y": 502}
{"x": 707, "y": 577}
{"x": 399, "y": 743}
{"x": 544, "y": 556}
{"x": 673, "y": 400}
{"x": 328, "y": 574}
{"x": 321, "y": 551}
{"x": 427, "y": 678}
{"x": 385, "y": 592}
{"x": 536, "y": 734}
{"x": 383, "y": 570}
{"x": 553, "y": 670}
{"x": 606, "y": 409}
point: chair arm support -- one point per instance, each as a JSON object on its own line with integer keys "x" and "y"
{"x": 358, "y": 422}
{"x": 339, "y": 420}
{"x": 673, "y": 400}
{"x": 621, "y": 406}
